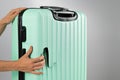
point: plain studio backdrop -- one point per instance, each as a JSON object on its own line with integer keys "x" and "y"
{"x": 103, "y": 30}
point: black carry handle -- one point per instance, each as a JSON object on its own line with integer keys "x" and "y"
{"x": 65, "y": 15}
{"x": 53, "y": 8}
{"x": 46, "y": 56}
{"x": 61, "y": 14}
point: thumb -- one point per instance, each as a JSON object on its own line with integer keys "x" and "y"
{"x": 29, "y": 51}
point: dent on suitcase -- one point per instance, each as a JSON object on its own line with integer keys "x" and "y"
{"x": 47, "y": 58}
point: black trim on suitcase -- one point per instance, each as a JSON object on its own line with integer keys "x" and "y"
{"x": 21, "y": 38}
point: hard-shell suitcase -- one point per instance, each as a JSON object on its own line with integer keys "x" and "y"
{"x": 57, "y": 33}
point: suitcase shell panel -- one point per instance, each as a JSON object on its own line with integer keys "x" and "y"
{"x": 66, "y": 41}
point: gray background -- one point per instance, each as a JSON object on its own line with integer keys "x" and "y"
{"x": 103, "y": 34}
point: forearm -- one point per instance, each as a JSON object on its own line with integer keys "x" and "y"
{"x": 2, "y": 26}
{"x": 8, "y": 65}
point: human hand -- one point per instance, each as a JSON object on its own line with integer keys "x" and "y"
{"x": 25, "y": 64}
{"x": 11, "y": 15}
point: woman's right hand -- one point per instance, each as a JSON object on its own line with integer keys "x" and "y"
{"x": 26, "y": 64}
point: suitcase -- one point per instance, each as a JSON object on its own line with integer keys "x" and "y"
{"x": 57, "y": 33}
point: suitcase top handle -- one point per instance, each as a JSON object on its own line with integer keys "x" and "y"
{"x": 53, "y": 8}
{"x": 61, "y": 14}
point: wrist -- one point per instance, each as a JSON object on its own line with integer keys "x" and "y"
{"x": 15, "y": 65}
{"x": 2, "y": 22}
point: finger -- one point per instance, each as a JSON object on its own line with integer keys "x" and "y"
{"x": 12, "y": 16}
{"x": 38, "y": 59}
{"x": 38, "y": 73}
{"x": 37, "y": 68}
{"x": 15, "y": 14}
{"x": 17, "y": 10}
{"x": 22, "y": 8}
{"x": 29, "y": 51}
{"x": 41, "y": 57}
{"x": 13, "y": 11}
{"x": 39, "y": 63}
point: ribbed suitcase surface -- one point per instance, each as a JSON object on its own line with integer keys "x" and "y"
{"x": 66, "y": 42}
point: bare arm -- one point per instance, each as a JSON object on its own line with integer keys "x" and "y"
{"x": 24, "y": 64}
{"x": 9, "y": 18}
{"x": 7, "y": 65}
{"x": 2, "y": 27}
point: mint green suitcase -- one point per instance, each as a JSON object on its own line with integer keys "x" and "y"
{"x": 59, "y": 34}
